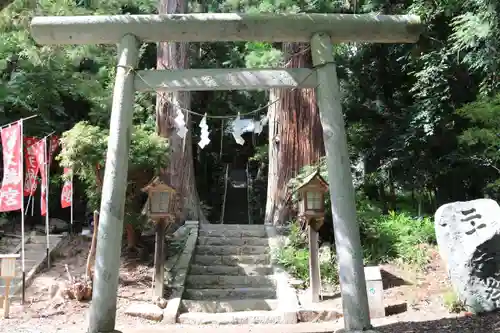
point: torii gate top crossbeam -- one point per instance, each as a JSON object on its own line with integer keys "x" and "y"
{"x": 210, "y": 27}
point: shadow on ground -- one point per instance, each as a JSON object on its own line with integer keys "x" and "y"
{"x": 468, "y": 324}
{"x": 390, "y": 280}
{"x": 396, "y": 309}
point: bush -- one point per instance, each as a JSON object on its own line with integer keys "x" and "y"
{"x": 453, "y": 303}
{"x": 397, "y": 236}
{"x": 393, "y": 236}
{"x": 84, "y": 150}
{"x": 294, "y": 257}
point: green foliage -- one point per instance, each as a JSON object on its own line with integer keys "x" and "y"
{"x": 84, "y": 148}
{"x": 452, "y": 302}
{"x": 385, "y": 237}
{"x": 398, "y": 236}
{"x": 295, "y": 258}
{"x": 261, "y": 154}
{"x": 262, "y": 55}
{"x": 480, "y": 142}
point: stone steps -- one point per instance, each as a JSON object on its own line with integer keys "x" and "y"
{"x": 231, "y": 260}
{"x": 231, "y": 318}
{"x": 229, "y": 305}
{"x": 35, "y": 251}
{"x": 248, "y": 270}
{"x": 231, "y": 250}
{"x": 231, "y": 293}
{"x": 231, "y": 279}
{"x": 237, "y": 241}
{"x": 228, "y": 281}
{"x": 227, "y": 231}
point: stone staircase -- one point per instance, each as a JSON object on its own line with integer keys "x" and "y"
{"x": 35, "y": 250}
{"x": 236, "y": 198}
{"x": 231, "y": 279}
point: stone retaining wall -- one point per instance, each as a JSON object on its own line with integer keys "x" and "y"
{"x": 181, "y": 269}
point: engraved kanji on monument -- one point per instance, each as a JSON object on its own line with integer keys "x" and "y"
{"x": 468, "y": 235}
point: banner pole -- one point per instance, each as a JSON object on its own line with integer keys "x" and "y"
{"x": 28, "y": 204}
{"x": 10, "y": 124}
{"x": 32, "y": 205}
{"x": 47, "y": 226}
{"x": 71, "y": 207}
{"x": 21, "y": 168}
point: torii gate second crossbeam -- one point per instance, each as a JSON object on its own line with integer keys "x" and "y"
{"x": 321, "y": 30}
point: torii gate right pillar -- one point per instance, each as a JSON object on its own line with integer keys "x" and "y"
{"x": 345, "y": 224}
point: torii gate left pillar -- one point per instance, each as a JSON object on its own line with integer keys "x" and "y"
{"x": 318, "y": 29}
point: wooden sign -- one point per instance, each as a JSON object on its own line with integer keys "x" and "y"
{"x": 7, "y": 273}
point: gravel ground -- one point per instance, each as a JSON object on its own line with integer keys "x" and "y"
{"x": 465, "y": 324}
{"x": 479, "y": 324}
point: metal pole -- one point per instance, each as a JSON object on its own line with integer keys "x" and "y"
{"x": 21, "y": 167}
{"x": 345, "y": 224}
{"x": 225, "y": 195}
{"x": 249, "y": 193}
{"x": 102, "y": 314}
{"x": 9, "y": 124}
{"x": 71, "y": 207}
{"x": 47, "y": 223}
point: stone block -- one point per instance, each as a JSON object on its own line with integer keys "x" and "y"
{"x": 317, "y": 315}
{"x": 468, "y": 235}
{"x": 231, "y": 249}
{"x": 249, "y": 270}
{"x": 232, "y": 293}
{"x": 375, "y": 291}
{"x": 145, "y": 310}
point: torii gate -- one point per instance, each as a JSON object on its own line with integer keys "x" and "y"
{"x": 318, "y": 29}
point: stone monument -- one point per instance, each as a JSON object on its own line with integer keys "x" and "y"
{"x": 468, "y": 235}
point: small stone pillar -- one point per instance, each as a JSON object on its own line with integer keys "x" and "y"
{"x": 375, "y": 291}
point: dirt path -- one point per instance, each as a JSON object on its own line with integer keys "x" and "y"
{"x": 46, "y": 314}
{"x": 416, "y": 300}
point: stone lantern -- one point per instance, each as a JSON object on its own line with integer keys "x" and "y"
{"x": 157, "y": 208}
{"x": 312, "y": 200}
{"x": 159, "y": 198}
{"x": 312, "y": 208}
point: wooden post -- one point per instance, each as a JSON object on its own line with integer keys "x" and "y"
{"x": 314, "y": 271}
{"x": 345, "y": 224}
{"x": 159, "y": 274}
{"x": 102, "y": 315}
{"x": 6, "y": 301}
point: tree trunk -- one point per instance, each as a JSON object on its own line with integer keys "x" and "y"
{"x": 295, "y": 134}
{"x": 132, "y": 236}
{"x": 273, "y": 168}
{"x": 179, "y": 173}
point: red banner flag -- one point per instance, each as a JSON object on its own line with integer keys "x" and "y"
{"x": 30, "y": 178}
{"x": 12, "y": 184}
{"x": 67, "y": 190}
{"x": 39, "y": 149}
{"x": 54, "y": 144}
